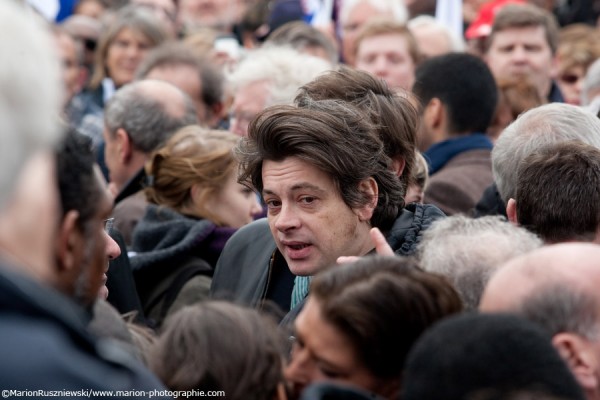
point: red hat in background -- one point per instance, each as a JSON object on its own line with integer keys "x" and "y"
{"x": 482, "y": 25}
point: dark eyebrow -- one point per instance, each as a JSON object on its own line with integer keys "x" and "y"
{"x": 300, "y": 186}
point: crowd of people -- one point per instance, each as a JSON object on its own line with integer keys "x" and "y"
{"x": 240, "y": 199}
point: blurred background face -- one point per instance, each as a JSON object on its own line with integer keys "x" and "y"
{"x": 387, "y": 56}
{"x": 70, "y": 65}
{"x": 357, "y": 17}
{"x": 522, "y": 52}
{"x": 249, "y": 100}
{"x": 235, "y": 205}
{"x": 570, "y": 83}
{"x": 216, "y": 14}
{"x": 185, "y": 78}
{"x": 124, "y": 54}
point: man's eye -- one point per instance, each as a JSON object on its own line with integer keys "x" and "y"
{"x": 273, "y": 203}
{"x": 307, "y": 200}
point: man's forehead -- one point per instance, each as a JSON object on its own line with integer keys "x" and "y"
{"x": 535, "y": 33}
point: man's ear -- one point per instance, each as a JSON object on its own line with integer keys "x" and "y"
{"x": 124, "y": 146}
{"x": 69, "y": 249}
{"x": 369, "y": 187}
{"x": 511, "y": 211}
{"x": 434, "y": 113}
{"x": 579, "y": 355}
{"x": 398, "y": 165}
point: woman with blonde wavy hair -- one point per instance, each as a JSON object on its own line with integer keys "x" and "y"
{"x": 196, "y": 204}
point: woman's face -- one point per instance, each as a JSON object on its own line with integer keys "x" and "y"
{"x": 124, "y": 54}
{"x": 235, "y": 205}
{"x": 321, "y": 352}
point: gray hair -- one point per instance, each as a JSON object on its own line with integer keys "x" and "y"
{"x": 540, "y": 126}
{"x": 284, "y": 68}
{"x": 561, "y": 307}
{"x": 457, "y": 43}
{"x": 393, "y": 8}
{"x": 144, "y": 117}
{"x": 467, "y": 251}
{"x": 30, "y": 92}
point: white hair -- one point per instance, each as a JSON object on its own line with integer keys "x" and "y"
{"x": 392, "y": 8}
{"x": 283, "y": 67}
{"x": 468, "y": 251}
{"x": 30, "y": 91}
{"x": 544, "y": 125}
{"x": 457, "y": 43}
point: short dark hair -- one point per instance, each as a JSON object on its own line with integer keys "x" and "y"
{"x": 524, "y": 16}
{"x": 558, "y": 192}
{"x": 175, "y": 54}
{"x": 465, "y": 86}
{"x": 383, "y": 304}
{"x": 395, "y": 116}
{"x": 335, "y": 137}
{"x": 469, "y": 354}
{"x": 77, "y": 185}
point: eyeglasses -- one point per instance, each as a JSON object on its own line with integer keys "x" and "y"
{"x": 108, "y": 225}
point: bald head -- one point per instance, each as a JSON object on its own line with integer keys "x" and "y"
{"x": 555, "y": 286}
{"x": 170, "y": 97}
{"x": 150, "y": 111}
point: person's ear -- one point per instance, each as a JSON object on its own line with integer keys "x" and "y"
{"x": 124, "y": 145}
{"x": 511, "y": 211}
{"x": 398, "y": 165}
{"x": 369, "y": 187}
{"x": 580, "y": 357}
{"x": 69, "y": 248}
{"x": 434, "y": 113}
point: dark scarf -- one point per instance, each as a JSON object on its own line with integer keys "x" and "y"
{"x": 440, "y": 153}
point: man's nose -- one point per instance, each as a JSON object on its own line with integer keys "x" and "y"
{"x": 287, "y": 218}
{"x": 112, "y": 248}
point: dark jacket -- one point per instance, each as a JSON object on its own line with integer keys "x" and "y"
{"x": 244, "y": 273}
{"x": 490, "y": 203}
{"x": 172, "y": 258}
{"x": 45, "y": 344}
{"x": 122, "y": 293}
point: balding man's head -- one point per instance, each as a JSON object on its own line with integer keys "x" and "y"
{"x": 150, "y": 111}
{"x": 570, "y": 265}
{"x": 139, "y": 118}
{"x": 557, "y": 287}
